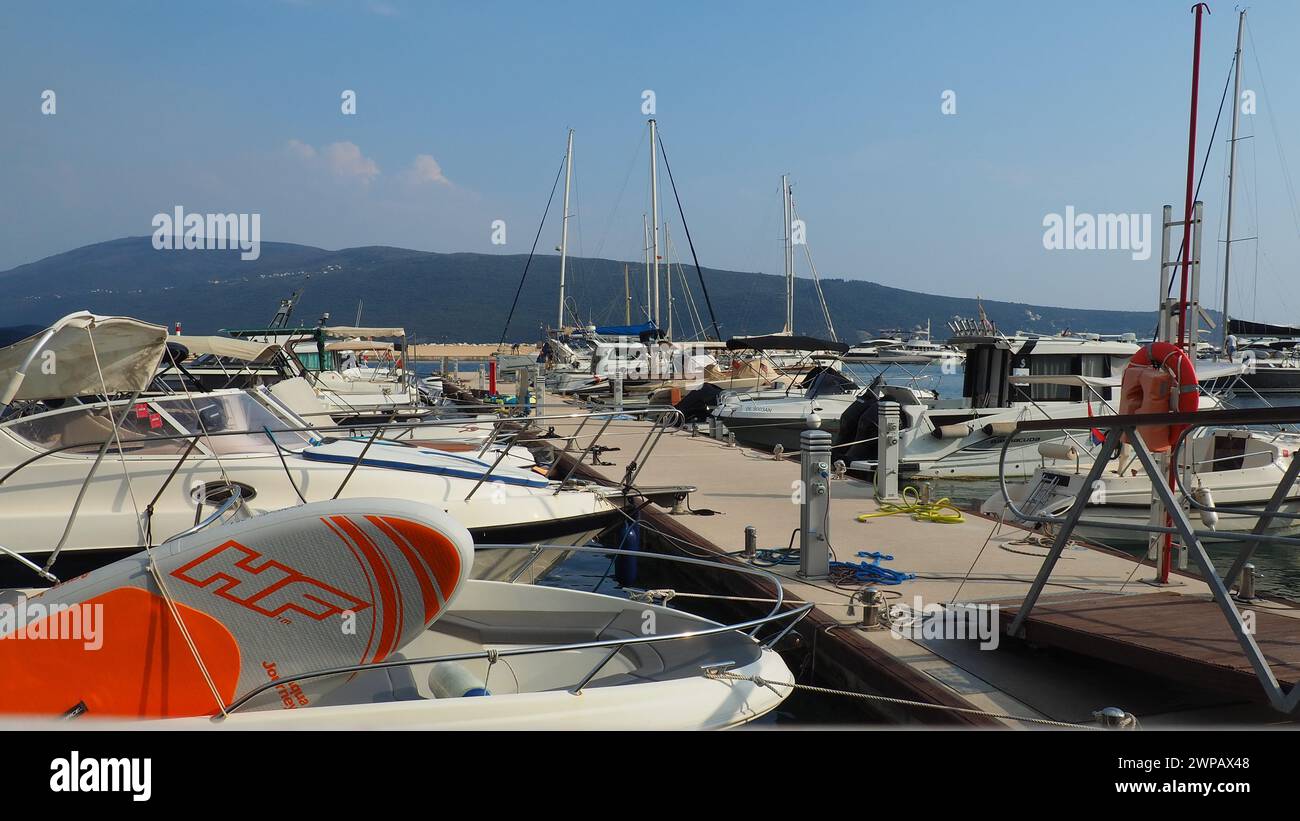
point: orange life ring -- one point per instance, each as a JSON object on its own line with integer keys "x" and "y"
{"x": 1160, "y": 378}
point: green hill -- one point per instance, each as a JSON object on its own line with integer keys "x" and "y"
{"x": 467, "y": 297}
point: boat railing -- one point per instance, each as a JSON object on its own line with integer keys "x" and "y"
{"x": 1165, "y": 486}
{"x": 662, "y": 418}
{"x": 784, "y": 620}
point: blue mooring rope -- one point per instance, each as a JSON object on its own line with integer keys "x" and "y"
{"x": 871, "y": 572}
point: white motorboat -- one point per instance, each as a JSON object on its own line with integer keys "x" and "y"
{"x": 917, "y": 348}
{"x": 819, "y": 398}
{"x": 245, "y": 634}
{"x": 1008, "y": 380}
{"x": 98, "y": 477}
{"x": 1221, "y": 468}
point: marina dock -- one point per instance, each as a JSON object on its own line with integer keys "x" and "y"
{"x": 1101, "y": 636}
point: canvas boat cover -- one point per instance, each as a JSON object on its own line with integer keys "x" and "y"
{"x": 349, "y": 331}
{"x": 228, "y": 348}
{"x": 1241, "y": 327}
{"x": 783, "y": 342}
{"x": 87, "y": 355}
{"x": 359, "y": 345}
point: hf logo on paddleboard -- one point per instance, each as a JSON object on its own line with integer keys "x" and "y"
{"x": 126, "y": 775}
{"x": 271, "y": 588}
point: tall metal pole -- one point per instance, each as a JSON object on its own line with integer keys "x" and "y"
{"x": 627, "y": 293}
{"x": 668, "y": 279}
{"x": 654, "y": 219}
{"x": 789, "y": 254}
{"x": 1232, "y": 176}
{"x": 645, "y": 230}
{"x": 564, "y": 223}
{"x": 1182, "y": 340}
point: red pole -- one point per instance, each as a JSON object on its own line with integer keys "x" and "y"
{"x": 492, "y": 377}
{"x": 1182, "y": 341}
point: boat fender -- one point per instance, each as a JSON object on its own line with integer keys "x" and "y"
{"x": 952, "y": 431}
{"x": 1160, "y": 378}
{"x": 1000, "y": 428}
{"x": 1057, "y": 450}
{"x": 1205, "y": 498}
{"x": 448, "y": 679}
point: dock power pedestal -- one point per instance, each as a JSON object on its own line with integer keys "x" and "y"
{"x": 814, "y": 510}
{"x": 888, "y": 446}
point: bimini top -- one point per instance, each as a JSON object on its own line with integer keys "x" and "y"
{"x": 81, "y": 355}
{"x": 228, "y": 348}
{"x": 359, "y": 345}
{"x": 348, "y": 331}
{"x": 625, "y": 330}
{"x": 781, "y": 342}
{"x": 1241, "y": 327}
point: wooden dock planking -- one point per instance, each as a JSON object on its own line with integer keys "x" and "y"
{"x": 1165, "y": 633}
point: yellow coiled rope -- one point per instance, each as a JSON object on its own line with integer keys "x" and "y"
{"x": 919, "y": 510}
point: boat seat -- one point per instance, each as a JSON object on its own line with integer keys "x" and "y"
{"x": 299, "y": 396}
{"x": 680, "y": 658}
{"x": 378, "y": 686}
{"x": 87, "y": 429}
{"x": 503, "y": 627}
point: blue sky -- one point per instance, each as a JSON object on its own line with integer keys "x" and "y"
{"x": 462, "y": 111}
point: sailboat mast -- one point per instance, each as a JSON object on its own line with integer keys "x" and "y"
{"x": 645, "y": 230}
{"x": 654, "y": 220}
{"x": 668, "y": 263}
{"x": 1232, "y": 176}
{"x": 564, "y": 223}
{"x": 627, "y": 294}
{"x": 789, "y": 254}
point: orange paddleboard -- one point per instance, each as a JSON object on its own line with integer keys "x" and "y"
{"x": 322, "y": 585}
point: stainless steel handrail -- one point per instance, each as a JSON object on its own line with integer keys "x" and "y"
{"x": 193, "y": 438}
{"x": 236, "y": 497}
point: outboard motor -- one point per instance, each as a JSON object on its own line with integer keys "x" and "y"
{"x": 695, "y": 406}
{"x": 859, "y": 421}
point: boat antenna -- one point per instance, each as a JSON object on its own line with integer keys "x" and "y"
{"x": 281, "y": 318}
{"x": 708, "y": 302}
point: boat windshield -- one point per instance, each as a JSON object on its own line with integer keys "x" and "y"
{"x": 154, "y": 427}
{"x": 82, "y": 429}
{"x": 827, "y": 382}
{"x": 244, "y": 421}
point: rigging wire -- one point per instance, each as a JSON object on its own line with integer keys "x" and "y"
{"x": 531, "y": 253}
{"x": 1277, "y": 141}
{"x": 817, "y": 282}
{"x": 704, "y": 288}
{"x": 1200, "y": 179}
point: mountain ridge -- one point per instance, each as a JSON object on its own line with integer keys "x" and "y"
{"x": 466, "y": 297}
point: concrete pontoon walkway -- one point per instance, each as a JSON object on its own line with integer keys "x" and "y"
{"x": 976, "y": 560}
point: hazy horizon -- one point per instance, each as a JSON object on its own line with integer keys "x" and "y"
{"x": 927, "y": 143}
